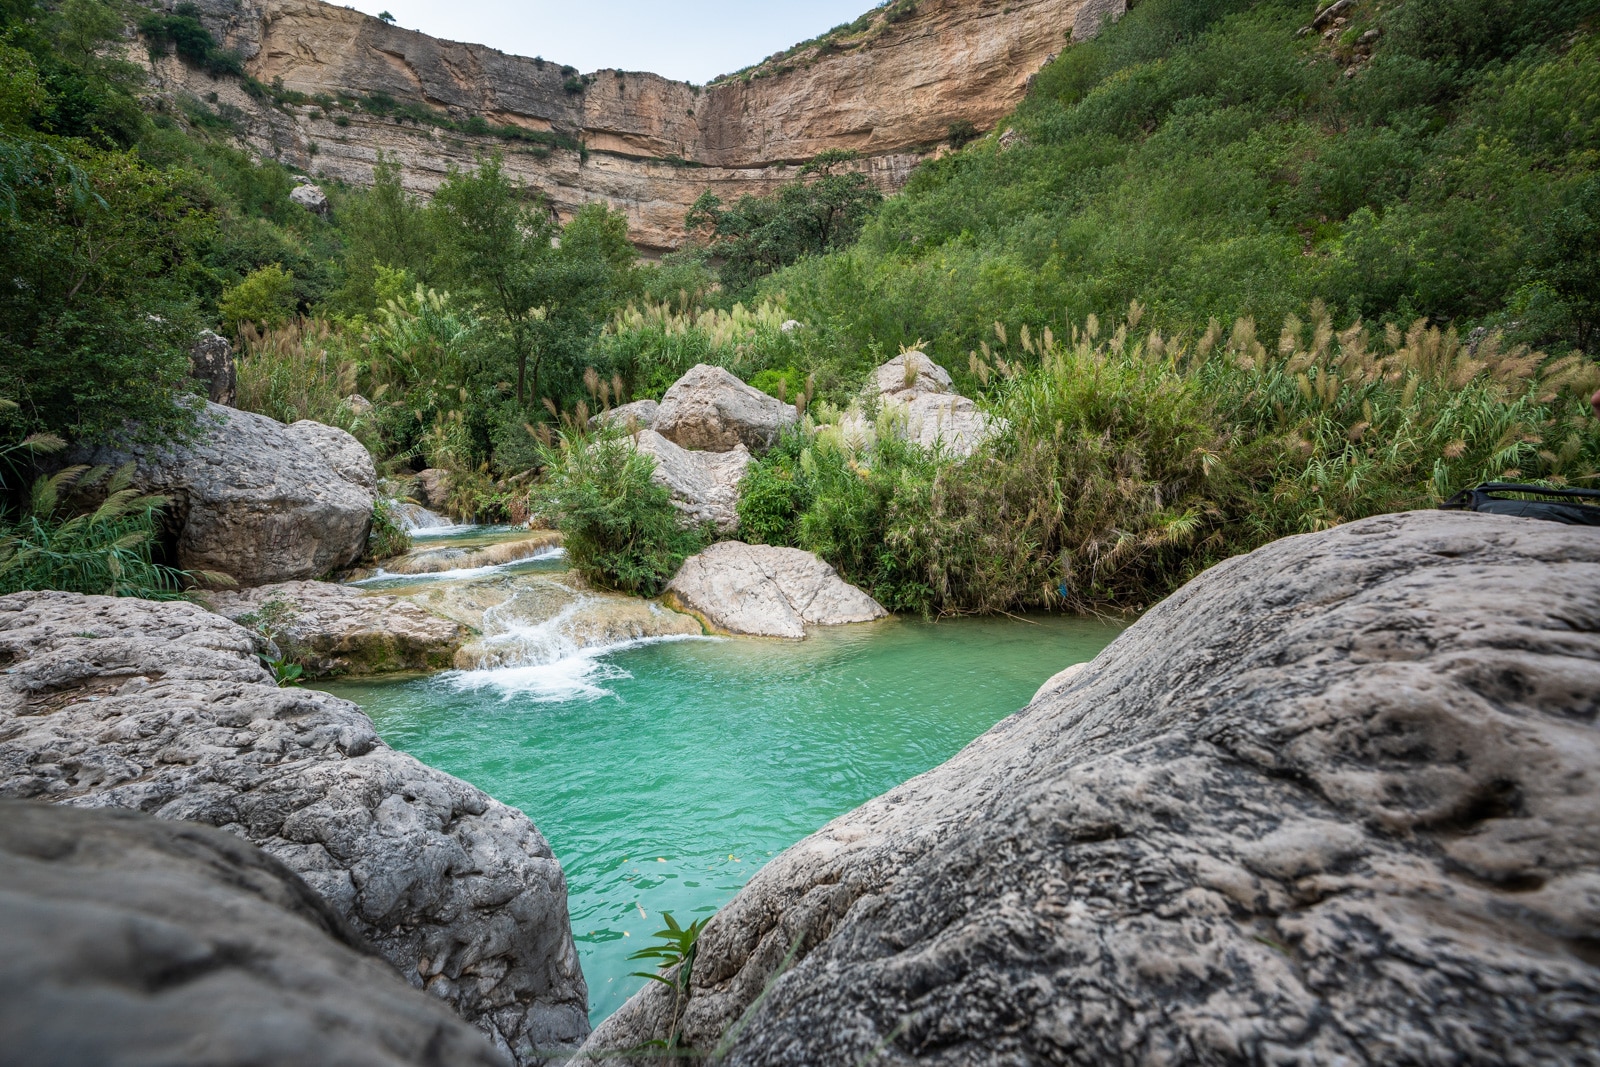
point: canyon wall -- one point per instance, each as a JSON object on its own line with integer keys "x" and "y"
{"x": 649, "y": 146}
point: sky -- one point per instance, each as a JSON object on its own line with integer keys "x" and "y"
{"x": 686, "y": 40}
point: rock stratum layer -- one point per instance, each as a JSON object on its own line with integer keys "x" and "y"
{"x": 891, "y": 93}
{"x": 1336, "y": 801}
{"x": 164, "y": 709}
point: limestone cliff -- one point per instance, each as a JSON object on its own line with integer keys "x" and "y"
{"x": 890, "y": 90}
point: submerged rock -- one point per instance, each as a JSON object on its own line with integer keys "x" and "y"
{"x": 704, "y": 485}
{"x": 257, "y": 500}
{"x": 333, "y": 630}
{"x": 1335, "y": 801}
{"x": 711, "y": 409}
{"x": 131, "y": 940}
{"x": 762, "y": 591}
{"x": 436, "y": 560}
{"x": 165, "y": 709}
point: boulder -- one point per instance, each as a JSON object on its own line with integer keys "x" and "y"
{"x": 255, "y": 499}
{"x": 708, "y": 408}
{"x": 639, "y": 415}
{"x": 131, "y": 940}
{"x": 343, "y": 452}
{"x": 910, "y": 374}
{"x": 165, "y": 709}
{"x": 333, "y": 630}
{"x": 432, "y": 489}
{"x": 704, "y": 485}
{"x": 915, "y": 393}
{"x": 1335, "y": 801}
{"x": 311, "y": 197}
{"x": 211, "y": 364}
{"x": 763, "y": 591}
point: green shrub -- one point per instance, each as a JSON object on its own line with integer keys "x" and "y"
{"x": 106, "y": 551}
{"x": 619, "y": 527}
{"x": 265, "y": 298}
{"x": 387, "y": 538}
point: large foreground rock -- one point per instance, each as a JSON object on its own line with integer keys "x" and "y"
{"x": 762, "y": 591}
{"x": 257, "y": 500}
{"x": 639, "y": 415}
{"x": 164, "y": 709}
{"x": 1334, "y": 802}
{"x": 131, "y": 940}
{"x": 333, "y": 630}
{"x": 711, "y": 409}
{"x": 704, "y": 485}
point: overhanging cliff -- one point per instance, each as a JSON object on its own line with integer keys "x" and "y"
{"x": 345, "y": 87}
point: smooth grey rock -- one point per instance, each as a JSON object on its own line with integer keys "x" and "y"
{"x": 433, "y": 487}
{"x": 343, "y": 452}
{"x": 763, "y": 591}
{"x": 333, "y": 630}
{"x": 211, "y": 363}
{"x": 310, "y": 197}
{"x": 1336, "y": 801}
{"x": 164, "y": 709}
{"x": 639, "y": 415}
{"x": 255, "y": 499}
{"x": 704, "y": 485}
{"x": 711, "y": 409}
{"x": 128, "y": 940}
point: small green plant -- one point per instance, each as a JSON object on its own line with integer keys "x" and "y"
{"x": 387, "y": 538}
{"x": 284, "y": 672}
{"x": 265, "y": 297}
{"x": 675, "y": 953}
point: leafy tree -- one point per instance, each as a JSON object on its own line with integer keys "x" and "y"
{"x": 821, "y": 210}
{"x": 496, "y": 240}
{"x": 383, "y": 226}
{"x": 265, "y": 298}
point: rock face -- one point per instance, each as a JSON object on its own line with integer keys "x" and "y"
{"x": 258, "y": 500}
{"x": 762, "y": 591}
{"x": 704, "y": 485}
{"x": 130, "y": 940}
{"x": 887, "y": 93}
{"x": 332, "y": 630}
{"x": 211, "y": 364}
{"x": 711, "y": 409}
{"x": 342, "y": 452}
{"x": 1335, "y": 801}
{"x": 164, "y": 709}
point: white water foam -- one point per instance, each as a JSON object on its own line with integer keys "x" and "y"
{"x": 544, "y": 661}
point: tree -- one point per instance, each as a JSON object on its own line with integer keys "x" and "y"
{"x": 496, "y": 242}
{"x": 1567, "y": 259}
{"x": 383, "y": 226}
{"x": 265, "y": 297}
{"x": 821, "y": 210}
{"x": 384, "y": 16}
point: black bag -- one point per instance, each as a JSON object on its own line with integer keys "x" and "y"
{"x": 1558, "y": 505}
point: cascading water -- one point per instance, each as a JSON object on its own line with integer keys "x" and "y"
{"x": 664, "y": 769}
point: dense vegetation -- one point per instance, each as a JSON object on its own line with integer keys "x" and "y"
{"x": 1218, "y": 281}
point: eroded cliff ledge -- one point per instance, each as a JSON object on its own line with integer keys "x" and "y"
{"x": 649, "y": 146}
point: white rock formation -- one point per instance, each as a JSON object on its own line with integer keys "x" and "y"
{"x": 704, "y": 485}
{"x": 762, "y": 591}
{"x": 709, "y": 408}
